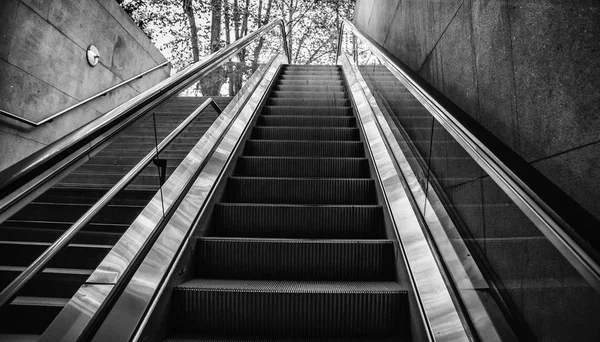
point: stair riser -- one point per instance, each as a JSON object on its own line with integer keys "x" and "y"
{"x": 331, "y": 222}
{"x": 349, "y": 134}
{"x": 70, "y": 213}
{"x": 307, "y": 121}
{"x": 295, "y": 260}
{"x": 18, "y": 319}
{"x": 286, "y": 167}
{"x": 47, "y": 285}
{"x": 303, "y": 149}
{"x": 283, "y": 314}
{"x": 300, "y": 191}
{"x": 308, "y": 95}
{"x": 306, "y": 111}
{"x": 52, "y": 233}
{"x": 305, "y": 87}
{"x": 71, "y": 257}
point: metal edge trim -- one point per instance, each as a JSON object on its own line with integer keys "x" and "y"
{"x": 540, "y": 213}
{"x": 436, "y": 305}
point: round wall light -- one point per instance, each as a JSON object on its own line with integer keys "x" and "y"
{"x": 92, "y": 54}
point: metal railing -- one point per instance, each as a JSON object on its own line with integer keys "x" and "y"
{"x": 22, "y": 179}
{"x": 68, "y": 109}
{"x": 136, "y": 107}
{"x": 41, "y": 261}
{"x": 512, "y": 174}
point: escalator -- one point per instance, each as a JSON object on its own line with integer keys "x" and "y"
{"x": 319, "y": 204}
{"x": 34, "y": 228}
{"x": 296, "y": 245}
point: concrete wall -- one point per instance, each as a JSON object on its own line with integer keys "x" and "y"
{"x": 43, "y": 67}
{"x": 526, "y": 70}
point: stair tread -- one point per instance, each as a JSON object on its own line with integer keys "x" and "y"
{"x": 291, "y": 286}
{"x": 217, "y": 338}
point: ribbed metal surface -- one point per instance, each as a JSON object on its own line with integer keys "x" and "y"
{"x": 302, "y": 167}
{"x": 212, "y": 338}
{"x": 307, "y": 121}
{"x": 306, "y": 111}
{"x": 309, "y": 94}
{"x": 290, "y": 308}
{"x": 297, "y": 148}
{"x": 304, "y": 133}
{"x": 306, "y": 87}
{"x": 300, "y": 259}
{"x": 300, "y": 191}
{"x": 309, "y": 102}
{"x": 296, "y": 248}
{"x": 294, "y": 221}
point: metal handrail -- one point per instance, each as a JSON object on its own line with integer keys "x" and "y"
{"x": 147, "y": 100}
{"x": 491, "y": 159}
{"x": 40, "y": 262}
{"x": 23, "y": 178}
{"x": 102, "y": 93}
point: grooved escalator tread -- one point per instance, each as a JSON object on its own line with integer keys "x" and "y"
{"x": 298, "y": 148}
{"x": 290, "y": 308}
{"x": 299, "y": 221}
{"x": 213, "y": 338}
{"x": 302, "y": 167}
{"x": 300, "y": 190}
{"x": 312, "y": 121}
{"x": 295, "y": 259}
{"x": 306, "y": 133}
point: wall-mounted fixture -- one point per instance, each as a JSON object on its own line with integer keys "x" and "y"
{"x": 92, "y": 55}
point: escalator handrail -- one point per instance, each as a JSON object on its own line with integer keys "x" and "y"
{"x": 526, "y": 187}
{"x": 9, "y": 292}
{"x": 80, "y": 103}
{"x": 23, "y": 178}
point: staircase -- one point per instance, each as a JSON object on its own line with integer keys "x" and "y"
{"x": 29, "y": 232}
{"x": 296, "y": 247}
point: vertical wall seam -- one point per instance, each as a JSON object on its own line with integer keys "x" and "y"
{"x": 514, "y": 77}
{"x": 440, "y": 38}
{"x": 474, "y": 64}
{"x": 387, "y": 33}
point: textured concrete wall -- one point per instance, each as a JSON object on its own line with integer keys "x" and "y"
{"x": 526, "y": 70}
{"x": 43, "y": 67}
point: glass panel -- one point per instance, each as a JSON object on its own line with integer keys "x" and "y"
{"x": 540, "y": 294}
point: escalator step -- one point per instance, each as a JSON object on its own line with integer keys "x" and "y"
{"x": 70, "y": 212}
{"x": 305, "y": 87}
{"x": 216, "y": 338}
{"x": 307, "y": 111}
{"x": 277, "y": 148}
{"x": 302, "y": 167}
{"x": 298, "y": 221}
{"x": 295, "y": 259}
{"x": 290, "y": 308}
{"x": 309, "y": 102}
{"x": 307, "y": 121}
{"x": 300, "y": 190}
{"x": 309, "y": 95}
{"x": 324, "y": 77}
{"x": 305, "y": 133}
{"x": 51, "y": 282}
{"x": 77, "y": 256}
{"x": 30, "y": 315}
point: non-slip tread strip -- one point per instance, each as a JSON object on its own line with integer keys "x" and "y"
{"x": 300, "y": 190}
{"x": 299, "y": 221}
{"x": 209, "y": 338}
{"x": 291, "y": 286}
{"x": 302, "y": 167}
{"x": 295, "y": 259}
